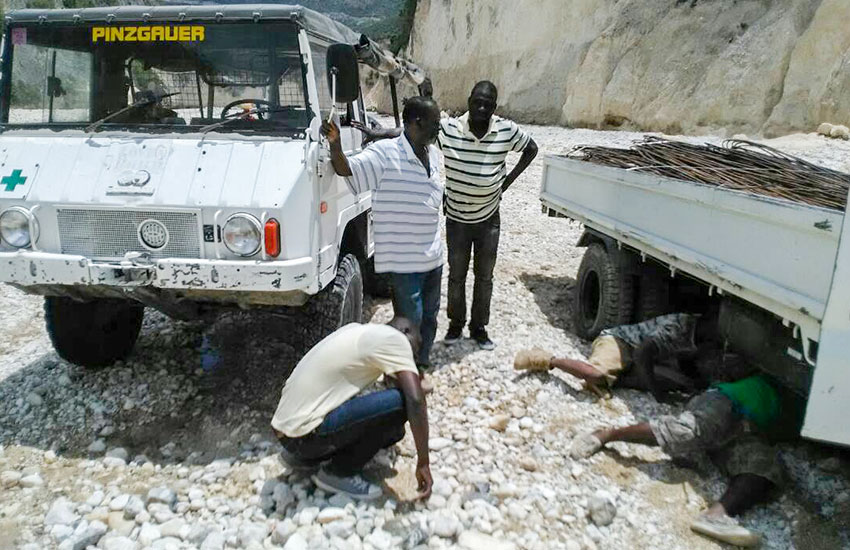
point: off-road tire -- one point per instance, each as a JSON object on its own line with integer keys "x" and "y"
{"x": 337, "y": 305}
{"x": 95, "y": 333}
{"x": 375, "y": 284}
{"x": 604, "y": 291}
{"x": 653, "y": 293}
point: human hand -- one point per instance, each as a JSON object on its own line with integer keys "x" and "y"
{"x": 509, "y": 179}
{"x": 331, "y": 131}
{"x": 423, "y": 477}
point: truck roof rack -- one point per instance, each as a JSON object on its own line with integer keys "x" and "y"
{"x": 369, "y": 52}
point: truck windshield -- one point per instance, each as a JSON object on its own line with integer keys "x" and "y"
{"x": 182, "y": 76}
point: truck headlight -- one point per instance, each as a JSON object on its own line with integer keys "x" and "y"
{"x": 17, "y": 226}
{"x": 242, "y": 234}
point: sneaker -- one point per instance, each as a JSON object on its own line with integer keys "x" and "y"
{"x": 296, "y": 464}
{"x": 484, "y": 342}
{"x": 533, "y": 359}
{"x": 354, "y": 487}
{"x": 725, "y": 529}
{"x": 584, "y": 446}
{"x": 453, "y": 336}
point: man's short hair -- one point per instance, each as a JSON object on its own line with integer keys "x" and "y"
{"x": 486, "y": 87}
{"x": 409, "y": 329}
{"x": 417, "y": 107}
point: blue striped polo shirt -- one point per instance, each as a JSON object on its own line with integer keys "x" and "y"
{"x": 405, "y": 204}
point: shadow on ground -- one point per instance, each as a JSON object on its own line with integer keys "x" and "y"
{"x": 553, "y": 295}
{"x": 166, "y": 401}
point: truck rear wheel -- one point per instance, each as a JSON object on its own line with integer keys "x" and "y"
{"x": 337, "y": 305}
{"x": 604, "y": 292}
{"x": 95, "y": 333}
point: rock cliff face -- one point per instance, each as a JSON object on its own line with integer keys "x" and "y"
{"x": 679, "y": 66}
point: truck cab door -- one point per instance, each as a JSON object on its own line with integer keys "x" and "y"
{"x": 829, "y": 397}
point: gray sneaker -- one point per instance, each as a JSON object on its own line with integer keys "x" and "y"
{"x": 354, "y": 487}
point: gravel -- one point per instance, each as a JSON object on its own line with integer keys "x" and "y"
{"x": 156, "y": 452}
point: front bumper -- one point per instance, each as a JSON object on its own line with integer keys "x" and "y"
{"x": 27, "y": 268}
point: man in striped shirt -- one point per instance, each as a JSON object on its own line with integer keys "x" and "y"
{"x": 404, "y": 174}
{"x": 475, "y": 147}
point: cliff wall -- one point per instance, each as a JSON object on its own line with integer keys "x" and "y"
{"x": 679, "y": 66}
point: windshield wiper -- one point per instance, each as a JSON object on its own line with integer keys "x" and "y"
{"x": 147, "y": 100}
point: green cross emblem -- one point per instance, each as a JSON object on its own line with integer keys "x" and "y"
{"x": 13, "y": 181}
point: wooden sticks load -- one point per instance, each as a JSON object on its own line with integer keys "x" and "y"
{"x": 737, "y": 164}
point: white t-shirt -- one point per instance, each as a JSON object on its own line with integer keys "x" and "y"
{"x": 336, "y": 370}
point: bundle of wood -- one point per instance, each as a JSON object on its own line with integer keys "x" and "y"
{"x": 736, "y": 164}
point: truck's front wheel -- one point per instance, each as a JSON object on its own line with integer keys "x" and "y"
{"x": 604, "y": 292}
{"x": 337, "y": 305}
{"x": 95, "y": 333}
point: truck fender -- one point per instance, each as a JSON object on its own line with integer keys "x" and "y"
{"x": 590, "y": 236}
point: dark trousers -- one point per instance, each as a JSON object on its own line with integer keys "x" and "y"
{"x": 417, "y": 297}
{"x": 351, "y": 434}
{"x": 462, "y": 239}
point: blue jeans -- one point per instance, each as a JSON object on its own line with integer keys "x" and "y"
{"x": 351, "y": 434}
{"x": 417, "y": 297}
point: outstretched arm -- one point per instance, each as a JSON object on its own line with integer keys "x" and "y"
{"x": 375, "y": 134}
{"x": 417, "y": 415}
{"x": 528, "y": 155}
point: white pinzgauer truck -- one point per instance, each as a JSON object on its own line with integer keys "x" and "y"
{"x": 780, "y": 269}
{"x": 170, "y": 157}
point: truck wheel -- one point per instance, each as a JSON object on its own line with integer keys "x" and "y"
{"x": 92, "y": 334}
{"x": 337, "y": 305}
{"x": 375, "y": 284}
{"x": 653, "y": 293}
{"x": 604, "y": 292}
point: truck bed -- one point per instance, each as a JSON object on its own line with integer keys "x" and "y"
{"x": 775, "y": 253}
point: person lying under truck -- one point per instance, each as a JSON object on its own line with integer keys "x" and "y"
{"x": 323, "y": 423}
{"x": 646, "y": 355}
{"x": 734, "y": 422}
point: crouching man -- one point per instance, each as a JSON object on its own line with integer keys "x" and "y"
{"x": 729, "y": 422}
{"x": 645, "y": 355}
{"x": 320, "y": 420}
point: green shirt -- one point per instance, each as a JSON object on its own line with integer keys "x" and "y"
{"x": 755, "y": 398}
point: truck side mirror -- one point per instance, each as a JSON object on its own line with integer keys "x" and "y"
{"x": 342, "y": 67}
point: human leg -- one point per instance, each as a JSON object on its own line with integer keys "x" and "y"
{"x": 354, "y": 432}
{"x": 459, "y": 244}
{"x": 407, "y": 296}
{"x": 361, "y": 427}
{"x": 486, "y": 246}
{"x": 755, "y": 471}
{"x": 708, "y": 422}
{"x": 430, "y": 308}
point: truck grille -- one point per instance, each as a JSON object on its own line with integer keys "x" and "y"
{"x": 109, "y": 234}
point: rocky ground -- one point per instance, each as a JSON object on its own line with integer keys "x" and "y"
{"x": 158, "y": 452}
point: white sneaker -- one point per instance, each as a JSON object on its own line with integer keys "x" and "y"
{"x": 725, "y": 529}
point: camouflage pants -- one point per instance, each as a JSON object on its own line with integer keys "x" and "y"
{"x": 711, "y": 424}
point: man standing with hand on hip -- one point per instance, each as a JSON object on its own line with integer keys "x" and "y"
{"x": 475, "y": 147}
{"x": 404, "y": 174}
